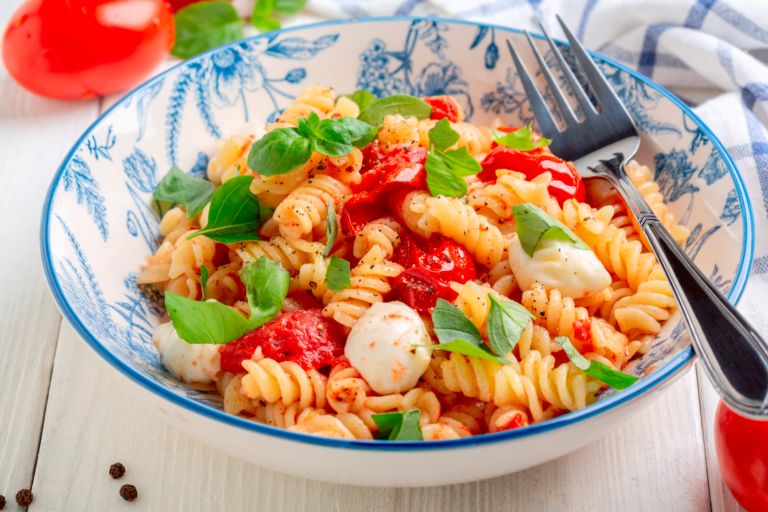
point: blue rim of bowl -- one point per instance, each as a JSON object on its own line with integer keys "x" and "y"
{"x": 653, "y": 380}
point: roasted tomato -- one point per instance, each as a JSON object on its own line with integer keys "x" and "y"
{"x": 416, "y": 288}
{"x": 443, "y": 259}
{"x": 566, "y": 182}
{"x": 444, "y": 107}
{"x": 85, "y": 48}
{"x": 742, "y": 451}
{"x": 403, "y": 167}
{"x": 305, "y": 337}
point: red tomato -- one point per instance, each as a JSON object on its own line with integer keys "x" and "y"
{"x": 443, "y": 107}
{"x": 742, "y": 451}
{"x": 416, "y": 288}
{"x": 305, "y": 337}
{"x": 566, "y": 182}
{"x": 180, "y": 4}
{"x": 82, "y": 48}
{"x": 444, "y": 259}
{"x": 403, "y": 167}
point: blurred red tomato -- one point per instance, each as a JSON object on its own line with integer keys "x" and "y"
{"x": 82, "y": 48}
{"x": 742, "y": 451}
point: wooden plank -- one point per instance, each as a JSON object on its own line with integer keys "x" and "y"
{"x": 35, "y": 135}
{"x": 721, "y": 497}
{"x": 656, "y": 462}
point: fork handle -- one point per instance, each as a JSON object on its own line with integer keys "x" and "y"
{"x": 734, "y": 355}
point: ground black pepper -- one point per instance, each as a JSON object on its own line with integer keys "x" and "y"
{"x": 128, "y": 492}
{"x": 116, "y": 470}
{"x": 24, "y": 497}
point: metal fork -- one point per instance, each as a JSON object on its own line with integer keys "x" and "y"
{"x": 733, "y": 353}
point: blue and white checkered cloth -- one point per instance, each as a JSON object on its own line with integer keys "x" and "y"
{"x": 713, "y": 54}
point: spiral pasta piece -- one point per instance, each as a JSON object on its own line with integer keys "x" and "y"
{"x": 369, "y": 285}
{"x": 285, "y": 381}
{"x": 235, "y": 402}
{"x": 305, "y": 209}
{"x": 346, "y": 390}
{"x": 460, "y": 222}
{"x": 626, "y": 259}
{"x": 272, "y": 190}
{"x": 316, "y": 98}
{"x": 495, "y": 200}
{"x": 643, "y": 312}
{"x": 397, "y": 130}
{"x": 384, "y": 232}
{"x": 473, "y": 301}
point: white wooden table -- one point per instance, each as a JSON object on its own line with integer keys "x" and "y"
{"x": 63, "y": 422}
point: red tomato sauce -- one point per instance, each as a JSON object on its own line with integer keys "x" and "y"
{"x": 305, "y": 337}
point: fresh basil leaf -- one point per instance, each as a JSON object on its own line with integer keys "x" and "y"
{"x": 522, "y": 140}
{"x": 468, "y": 349}
{"x": 441, "y": 180}
{"x": 234, "y": 213}
{"x": 205, "y": 322}
{"x": 263, "y": 8}
{"x": 288, "y": 7}
{"x": 178, "y": 187}
{"x": 266, "y": 285}
{"x": 332, "y": 130}
{"x": 535, "y": 226}
{"x": 365, "y": 140}
{"x": 265, "y": 213}
{"x": 356, "y": 128}
{"x": 596, "y": 369}
{"x": 329, "y": 148}
{"x": 451, "y": 324}
{"x": 307, "y": 125}
{"x": 506, "y": 322}
{"x": 279, "y": 151}
{"x": 442, "y": 135}
{"x": 362, "y": 97}
{"x": 265, "y": 24}
{"x": 461, "y": 162}
{"x": 338, "y": 275}
{"x": 203, "y": 281}
{"x": 399, "y": 426}
{"x": 331, "y": 229}
{"x": 402, "y": 104}
{"x": 205, "y": 25}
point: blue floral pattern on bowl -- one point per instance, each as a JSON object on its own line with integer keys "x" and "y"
{"x": 99, "y": 219}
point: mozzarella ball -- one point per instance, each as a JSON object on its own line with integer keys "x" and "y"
{"x": 379, "y": 347}
{"x": 199, "y": 363}
{"x": 559, "y": 264}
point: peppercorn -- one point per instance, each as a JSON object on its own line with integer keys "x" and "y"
{"x": 24, "y": 497}
{"x": 2, "y": 502}
{"x": 116, "y": 470}
{"x": 128, "y": 492}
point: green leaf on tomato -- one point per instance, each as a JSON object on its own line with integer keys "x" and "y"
{"x": 534, "y": 226}
{"x": 338, "y": 275}
{"x": 596, "y": 369}
{"x": 205, "y": 322}
{"x": 234, "y": 215}
{"x": 205, "y": 25}
{"x": 178, "y": 187}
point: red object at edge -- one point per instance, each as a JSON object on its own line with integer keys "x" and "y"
{"x": 741, "y": 445}
{"x": 443, "y": 107}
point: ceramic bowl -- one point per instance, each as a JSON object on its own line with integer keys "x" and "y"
{"x": 98, "y": 223}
